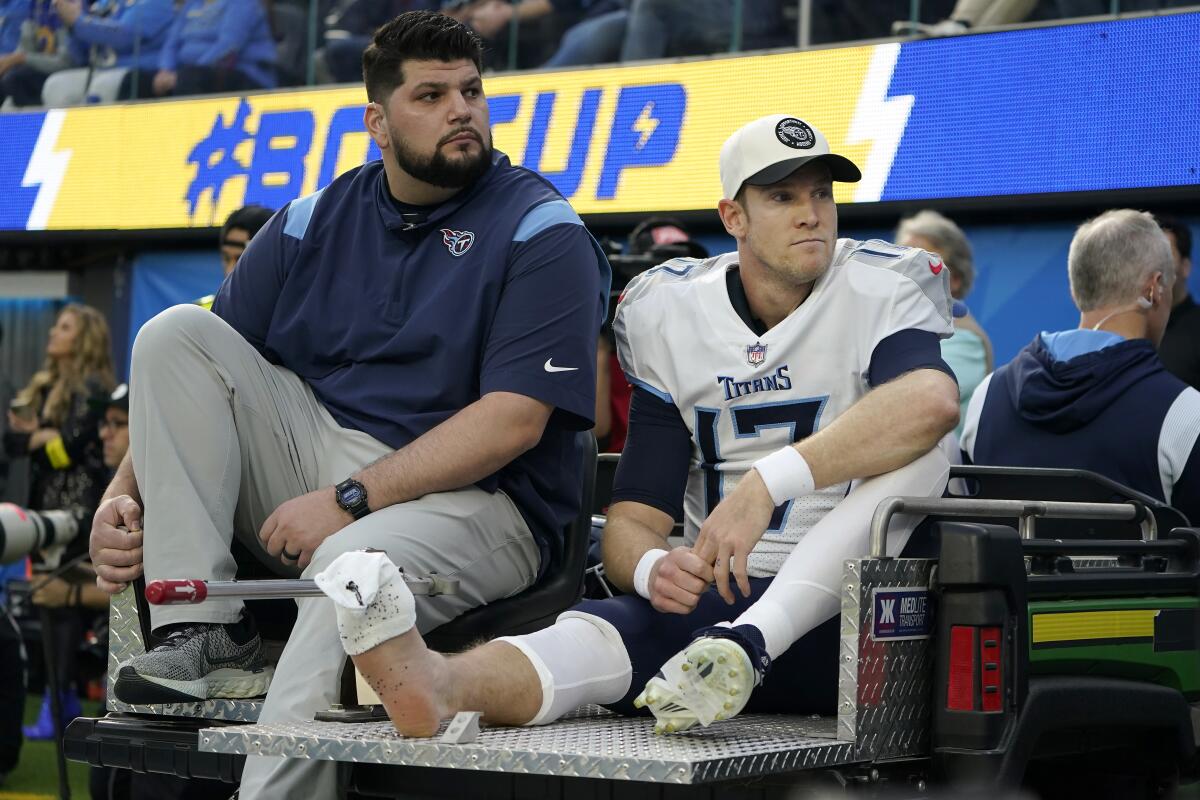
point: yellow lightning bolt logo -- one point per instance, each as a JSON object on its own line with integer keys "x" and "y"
{"x": 646, "y": 124}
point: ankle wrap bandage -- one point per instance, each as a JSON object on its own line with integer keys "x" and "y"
{"x": 372, "y": 600}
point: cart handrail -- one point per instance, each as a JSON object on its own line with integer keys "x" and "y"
{"x": 1025, "y": 510}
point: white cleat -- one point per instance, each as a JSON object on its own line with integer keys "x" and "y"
{"x": 709, "y": 681}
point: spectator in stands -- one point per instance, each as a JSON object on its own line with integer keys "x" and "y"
{"x": 236, "y": 233}
{"x": 217, "y": 46}
{"x": 1180, "y": 349}
{"x": 53, "y": 422}
{"x": 1099, "y": 397}
{"x": 1095, "y": 8}
{"x": 968, "y": 351}
{"x": 12, "y": 14}
{"x": 238, "y": 230}
{"x": 597, "y": 39}
{"x": 661, "y": 28}
{"x": 349, "y": 30}
{"x": 43, "y": 48}
{"x": 594, "y": 39}
{"x": 968, "y": 14}
{"x": 539, "y": 28}
{"x": 125, "y": 34}
{"x": 61, "y": 592}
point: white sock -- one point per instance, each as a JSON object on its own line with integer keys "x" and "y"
{"x": 579, "y": 659}
{"x": 373, "y": 602}
{"x": 806, "y": 592}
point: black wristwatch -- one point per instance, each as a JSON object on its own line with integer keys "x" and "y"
{"x": 352, "y": 497}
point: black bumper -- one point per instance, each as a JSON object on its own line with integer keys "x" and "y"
{"x": 164, "y": 745}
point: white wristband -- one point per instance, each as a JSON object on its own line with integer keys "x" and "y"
{"x": 786, "y": 474}
{"x": 641, "y": 575}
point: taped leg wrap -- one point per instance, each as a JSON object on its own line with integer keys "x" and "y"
{"x": 579, "y": 659}
{"x": 372, "y": 600}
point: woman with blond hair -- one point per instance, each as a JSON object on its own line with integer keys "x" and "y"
{"x": 53, "y": 423}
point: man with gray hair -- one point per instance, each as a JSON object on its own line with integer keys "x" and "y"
{"x": 1098, "y": 397}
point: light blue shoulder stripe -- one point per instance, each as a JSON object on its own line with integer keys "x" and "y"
{"x": 299, "y": 214}
{"x": 659, "y": 393}
{"x": 541, "y": 217}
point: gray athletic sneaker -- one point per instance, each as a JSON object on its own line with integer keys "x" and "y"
{"x": 196, "y": 662}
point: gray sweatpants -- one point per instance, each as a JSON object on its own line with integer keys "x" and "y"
{"x": 220, "y": 437}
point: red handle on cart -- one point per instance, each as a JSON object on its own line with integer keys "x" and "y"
{"x": 176, "y": 590}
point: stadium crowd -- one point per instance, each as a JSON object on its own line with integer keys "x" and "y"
{"x": 68, "y": 52}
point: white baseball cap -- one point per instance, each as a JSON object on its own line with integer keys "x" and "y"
{"x": 770, "y": 148}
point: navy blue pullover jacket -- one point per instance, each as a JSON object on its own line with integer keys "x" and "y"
{"x": 1091, "y": 400}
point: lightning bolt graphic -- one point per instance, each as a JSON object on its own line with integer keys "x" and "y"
{"x": 47, "y": 168}
{"x": 879, "y": 119}
{"x": 646, "y": 124}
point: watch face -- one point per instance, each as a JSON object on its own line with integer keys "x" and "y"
{"x": 352, "y": 495}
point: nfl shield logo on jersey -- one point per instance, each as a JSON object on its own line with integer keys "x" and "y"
{"x": 458, "y": 242}
{"x": 756, "y": 354}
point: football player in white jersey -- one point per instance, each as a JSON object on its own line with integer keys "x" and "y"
{"x": 781, "y": 392}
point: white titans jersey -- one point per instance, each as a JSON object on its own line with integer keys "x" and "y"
{"x": 743, "y": 396}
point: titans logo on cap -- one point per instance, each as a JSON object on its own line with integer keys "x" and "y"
{"x": 795, "y": 134}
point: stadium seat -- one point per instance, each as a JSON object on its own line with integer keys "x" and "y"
{"x": 73, "y": 87}
{"x": 105, "y": 86}
{"x": 66, "y": 87}
{"x": 539, "y": 605}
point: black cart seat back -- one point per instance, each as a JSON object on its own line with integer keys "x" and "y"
{"x": 539, "y": 605}
{"x": 1064, "y": 485}
{"x": 606, "y": 474}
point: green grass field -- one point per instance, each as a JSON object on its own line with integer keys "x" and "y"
{"x": 36, "y": 775}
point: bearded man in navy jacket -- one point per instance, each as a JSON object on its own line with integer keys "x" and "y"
{"x": 401, "y": 360}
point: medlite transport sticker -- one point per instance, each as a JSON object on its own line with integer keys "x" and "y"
{"x": 901, "y": 614}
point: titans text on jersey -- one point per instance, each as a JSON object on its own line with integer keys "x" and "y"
{"x": 779, "y": 382}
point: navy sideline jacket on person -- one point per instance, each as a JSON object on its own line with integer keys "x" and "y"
{"x": 399, "y": 317}
{"x": 1091, "y": 400}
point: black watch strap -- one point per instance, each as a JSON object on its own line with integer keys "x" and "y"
{"x": 352, "y": 497}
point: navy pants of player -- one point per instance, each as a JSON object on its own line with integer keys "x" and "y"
{"x": 801, "y": 681}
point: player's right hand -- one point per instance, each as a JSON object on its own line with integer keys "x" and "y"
{"x": 678, "y": 580}
{"x": 116, "y": 543}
